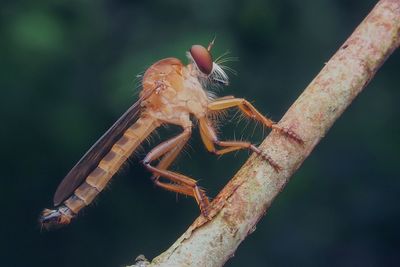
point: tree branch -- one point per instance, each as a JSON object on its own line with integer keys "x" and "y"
{"x": 245, "y": 199}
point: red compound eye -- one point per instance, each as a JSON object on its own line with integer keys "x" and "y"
{"x": 202, "y": 58}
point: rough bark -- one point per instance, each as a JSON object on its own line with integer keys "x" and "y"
{"x": 246, "y": 198}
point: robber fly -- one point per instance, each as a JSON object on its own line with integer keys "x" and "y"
{"x": 171, "y": 93}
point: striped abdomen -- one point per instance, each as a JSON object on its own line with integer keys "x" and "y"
{"x": 97, "y": 180}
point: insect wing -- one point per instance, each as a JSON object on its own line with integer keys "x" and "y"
{"x": 94, "y": 155}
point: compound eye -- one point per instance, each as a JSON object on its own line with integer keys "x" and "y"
{"x": 202, "y": 58}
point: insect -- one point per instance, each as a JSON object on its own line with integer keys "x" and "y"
{"x": 171, "y": 93}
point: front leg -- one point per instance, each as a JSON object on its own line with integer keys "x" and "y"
{"x": 250, "y": 111}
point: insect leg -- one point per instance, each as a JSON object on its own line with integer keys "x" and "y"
{"x": 180, "y": 183}
{"x": 224, "y": 98}
{"x": 210, "y": 139}
{"x": 169, "y": 157}
{"x": 249, "y": 110}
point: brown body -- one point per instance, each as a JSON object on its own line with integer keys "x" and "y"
{"x": 171, "y": 93}
{"x": 97, "y": 180}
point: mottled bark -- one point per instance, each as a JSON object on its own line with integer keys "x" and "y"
{"x": 245, "y": 199}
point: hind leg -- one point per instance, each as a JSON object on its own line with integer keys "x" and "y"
{"x": 178, "y": 183}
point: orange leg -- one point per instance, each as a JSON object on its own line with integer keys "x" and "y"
{"x": 180, "y": 183}
{"x": 224, "y": 98}
{"x": 249, "y": 110}
{"x": 170, "y": 156}
{"x": 210, "y": 139}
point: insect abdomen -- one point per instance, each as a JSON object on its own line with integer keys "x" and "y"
{"x": 110, "y": 164}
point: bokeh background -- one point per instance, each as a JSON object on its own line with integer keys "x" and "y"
{"x": 68, "y": 71}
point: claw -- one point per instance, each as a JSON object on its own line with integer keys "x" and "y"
{"x": 206, "y": 214}
{"x": 205, "y": 205}
{"x": 289, "y": 133}
{"x": 274, "y": 165}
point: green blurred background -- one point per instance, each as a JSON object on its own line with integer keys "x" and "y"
{"x": 68, "y": 71}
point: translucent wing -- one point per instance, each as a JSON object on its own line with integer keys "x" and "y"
{"x": 94, "y": 155}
